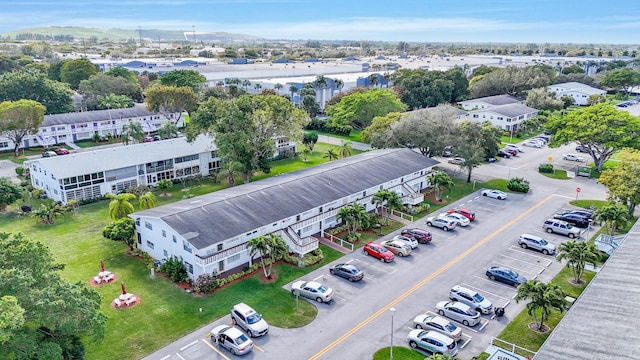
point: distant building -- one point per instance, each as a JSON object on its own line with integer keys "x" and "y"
{"x": 489, "y": 101}
{"x": 578, "y": 91}
{"x": 507, "y": 117}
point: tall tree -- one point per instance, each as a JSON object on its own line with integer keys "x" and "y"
{"x": 124, "y": 73}
{"x": 120, "y": 205}
{"x": 74, "y": 71}
{"x": 470, "y": 143}
{"x": 123, "y": 230}
{"x": 373, "y": 80}
{"x": 422, "y": 88}
{"x": 19, "y": 119}
{"x": 103, "y": 85}
{"x": 542, "y": 297}
{"x": 184, "y": 78}
{"x": 439, "y": 179}
{"x": 513, "y": 80}
{"x": 171, "y": 101}
{"x": 331, "y": 154}
{"x": 309, "y": 139}
{"x": 623, "y": 180}
{"x": 339, "y": 84}
{"x": 278, "y": 86}
{"x": 270, "y": 247}
{"x": 9, "y": 193}
{"x": 147, "y": 201}
{"x": 18, "y": 85}
{"x": 346, "y": 149}
{"x": 600, "y": 129}
{"x": 578, "y": 255}
{"x": 132, "y": 130}
{"x": 613, "y": 215}
{"x": 542, "y": 99}
{"x": 379, "y": 126}
{"x": 168, "y": 130}
{"x": 621, "y": 79}
{"x": 358, "y": 109}
{"x": 55, "y": 314}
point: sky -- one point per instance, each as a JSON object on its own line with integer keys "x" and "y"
{"x": 522, "y": 21}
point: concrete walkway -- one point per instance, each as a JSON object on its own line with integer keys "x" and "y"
{"x": 337, "y": 141}
{"x": 334, "y": 246}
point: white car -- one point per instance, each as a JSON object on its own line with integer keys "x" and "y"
{"x": 572, "y": 157}
{"x": 460, "y": 220}
{"x": 459, "y": 312}
{"x": 471, "y": 298}
{"x": 456, "y": 161}
{"x": 436, "y": 323}
{"x": 496, "y": 194}
{"x": 533, "y": 143}
{"x": 232, "y": 339}
{"x": 514, "y": 147}
{"x": 413, "y": 243}
{"x": 312, "y": 290}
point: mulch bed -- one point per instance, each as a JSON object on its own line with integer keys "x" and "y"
{"x": 534, "y": 327}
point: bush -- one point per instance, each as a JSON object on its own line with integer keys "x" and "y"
{"x": 205, "y": 283}
{"x": 316, "y": 124}
{"x": 174, "y": 268}
{"x": 546, "y": 168}
{"x": 19, "y": 170}
{"x": 518, "y": 185}
{"x": 344, "y": 130}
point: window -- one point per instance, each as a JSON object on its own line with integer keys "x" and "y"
{"x": 4, "y": 144}
{"x": 186, "y": 247}
{"x": 233, "y": 258}
{"x": 164, "y": 233}
{"x": 297, "y": 216}
{"x": 166, "y": 253}
{"x": 219, "y": 247}
{"x": 364, "y": 194}
{"x": 174, "y": 239}
{"x": 320, "y": 210}
{"x": 189, "y": 267}
{"x": 149, "y": 244}
{"x": 148, "y": 225}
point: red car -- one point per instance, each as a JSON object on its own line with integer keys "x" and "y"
{"x": 378, "y": 251}
{"x": 513, "y": 152}
{"x": 62, "y": 151}
{"x": 421, "y": 236}
{"x": 464, "y": 212}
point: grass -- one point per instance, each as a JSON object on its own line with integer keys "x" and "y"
{"x": 9, "y": 155}
{"x": 521, "y": 136}
{"x": 90, "y": 144}
{"x": 588, "y": 203}
{"x": 557, "y": 174}
{"x": 609, "y": 164}
{"x": 518, "y": 332}
{"x": 461, "y": 189}
{"x": 353, "y": 136}
{"x": 399, "y": 352}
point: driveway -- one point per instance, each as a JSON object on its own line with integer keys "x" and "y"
{"x": 8, "y": 170}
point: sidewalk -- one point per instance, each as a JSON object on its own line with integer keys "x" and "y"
{"x": 334, "y": 246}
{"x": 337, "y": 141}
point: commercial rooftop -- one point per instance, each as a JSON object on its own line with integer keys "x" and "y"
{"x": 97, "y": 115}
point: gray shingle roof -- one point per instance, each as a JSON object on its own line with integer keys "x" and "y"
{"x": 579, "y": 87}
{"x": 97, "y": 115}
{"x": 511, "y": 110}
{"x": 224, "y": 214}
{"x": 497, "y": 100}
{"x": 603, "y": 321}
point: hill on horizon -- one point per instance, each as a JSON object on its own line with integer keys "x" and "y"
{"x": 116, "y": 34}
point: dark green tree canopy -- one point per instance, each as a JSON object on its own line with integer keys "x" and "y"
{"x": 422, "y": 88}
{"x": 358, "y": 109}
{"x": 621, "y": 79}
{"x": 55, "y": 96}
{"x": 103, "y": 85}
{"x": 20, "y": 118}
{"x": 180, "y": 78}
{"x": 74, "y": 71}
{"x": 9, "y": 193}
{"x": 513, "y": 80}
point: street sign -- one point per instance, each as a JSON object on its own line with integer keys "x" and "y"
{"x": 578, "y": 189}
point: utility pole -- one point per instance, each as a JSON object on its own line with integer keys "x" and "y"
{"x": 140, "y": 34}
{"x": 193, "y": 27}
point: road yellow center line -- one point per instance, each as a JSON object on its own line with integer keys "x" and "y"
{"x": 426, "y": 280}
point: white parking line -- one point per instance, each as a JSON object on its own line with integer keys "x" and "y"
{"x": 465, "y": 343}
{"x": 349, "y": 262}
{"x": 528, "y": 253}
{"x": 180, "y": 356}
{"x": 520, "y": 260}
{"x": 494, "y": 282}
{"x": 483, "y": 291}
{"x": 214, "y": 349}
{"x": 165, "y": 358}
{"x": 188, "y": 345}
{"x": 564, "y": 196}
{"x": 514, "y": 268}
{"x": 319, "y": 277}
{"x": 483, "y": 325}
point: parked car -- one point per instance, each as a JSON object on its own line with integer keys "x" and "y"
{"x": 561, "y": 227}
{"x": 504, "y": 154}
{"x": 582, "y": 149}
{"x": 444, "y": 224}
{"x": 532, "y": 143}
{"x": 459, "y": 312}
{"x": 378, "y": 251}
{"x": 157, "y": 138}
{"x": 397, "y": 247}
{"x": 514, "y": 147}
{"x": 490, "y": 159}
{"x": 460, "y": 220}
{"x": 572, "y": 157}
{"x": 573, "y": 219}
{"x": 407, "y": 240}
{"x": 232, "y": 339}
{"x": 312, "y": 290}
{"x": 496, "y": 194}
{"x": 448, "y": 151}
{"x": 505, "y": 275}
{"x": 49, "y": 154}
{"x": 471, "y": 298}
{"x": 347, "y": 271}
{"x": 528, "y": 241}
{"x": 249, "y": 320}
{"x": 148, "y": 139}
{"x": 62, "y": 151}
{"x": 436, "y": 323}
{"x": 545, "y": 138}
{"x": 456, "y": 161}
{"x": 464, "y": 212}
{"x": 582, "y": 212}
{"x": 512, "y": 152}
{"x": 433, "y": 342}
{"x": 423, "y": 236}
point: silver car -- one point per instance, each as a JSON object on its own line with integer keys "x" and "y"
{"x": 312, "y": 290}
{"x": 444, "y": 224}
{"x": 439, "y": 324}
{"x": 528, "y": 241}
{"x": 249, "y": 320}
{"x": 459, "y": 312}
{"x": 434, "y": 342}
{"x": 232, "y": 339}
{"x": 413, "y": 243}
{"x": 561, "y": 227}
{"x": 471, "y": 298}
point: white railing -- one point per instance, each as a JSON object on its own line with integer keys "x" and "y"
{"x": 296, "y": 243}
{"x": 522, "y": 353}
{"x": 341, "y": 242}
{"x": 402, "y": 215}
{"x": 222, "y": 254}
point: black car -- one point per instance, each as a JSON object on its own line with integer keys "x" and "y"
{"x": 503, "y": 154}
{"x": 490, "y": 159}
{"x": 584, "y": 213}
{"x": 573, "y": 219}
{"x": 421, "y": 236}
{"x": 505, "y": 275}
{"x": 347, "y": 271}
{"x": 581, "y": 149}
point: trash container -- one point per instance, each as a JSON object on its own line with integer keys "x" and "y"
{"x": 499, "y": 311}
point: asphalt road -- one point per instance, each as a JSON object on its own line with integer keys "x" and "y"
{"x": 358, "y": 321}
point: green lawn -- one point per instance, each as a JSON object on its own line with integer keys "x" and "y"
{"x": 588, "y": 203}
{"x": 353, "y": 136}
{"x": 557, "y": 174}
{"x": 399, "y": 353}
{"x": 518, "y": 137}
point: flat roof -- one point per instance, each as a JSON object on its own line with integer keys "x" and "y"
{"x": 87, "y": 162}
{"x": 225, "y": 214}
{"x": 510, "y": 110}
{"x": 495, "y": 100}
{"x": 138, "y": 110}
{"x": 603, "y": 322}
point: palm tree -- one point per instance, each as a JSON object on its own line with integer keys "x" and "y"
{"x": 169, "y": 130}
{"x": 257, "y": 87}
{"x": 386, "y": 77}
{"x": 613, "y": 215}
{"x": 246, "y": 84}
{"x": 132, "y": 130}
{"x": 578, "y": 254}
{"x": 270, "y": 247}
{"x": 339, "y": 84}
{"x": 542, "y": 297}
{"x": 373, "y": 80}
{"x": 345, "y": 150}
{"x": 258, "y": 245}
{"x": 147, "y": 201}
{"x": 47, "y": 213}
{"x": 293, "y": 89}
{"x": 352, "y": 215}
{"x": 331, "y": 154}
{"x": 120, "y": 205}
{"x": 345, "y": 216}
{"x": 229, "y": 170}
{"x": 394, "y": 202}
{"x": 305, "y": 154}
{"x": 438, "y": 179}
{"x": 278, "y": 86}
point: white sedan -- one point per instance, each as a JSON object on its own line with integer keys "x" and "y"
{"x": 532, "y": 143}
{"x": 572, "y": 157}
{"x": 460, "y": 220}
{"x": 496, "y": 194}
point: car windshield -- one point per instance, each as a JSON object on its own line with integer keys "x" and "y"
{"x": 478, "y": 298}
{"x": 252, "y": 319}
{"x": 451, "y": 327}
{"x": 569, "y": 226}
{"x": 322, "y": 289}
{"x": 241, "y": 339}
{"x": 543, "y": 242}
{"x": 382, "y": 250}
{"x": 512, "y": 274}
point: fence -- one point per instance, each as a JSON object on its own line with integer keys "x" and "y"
{"x": 339, "y": 241}
{"x": 513, "y": 348}
{"x": 402, "y": 215}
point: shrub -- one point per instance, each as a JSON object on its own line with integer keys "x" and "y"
{"x": 19, "y": 170}
{"x": 174, "y": 268}
{"x": 518, "y": 185}
{"x": 316, "y": 124}
{"x": 546, "y": 168}
{"x": 204, "y": 283}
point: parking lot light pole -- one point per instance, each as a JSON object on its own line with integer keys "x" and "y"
{"x": 393, "y": 312}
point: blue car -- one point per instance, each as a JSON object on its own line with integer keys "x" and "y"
{"x": 505, "y": 275}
